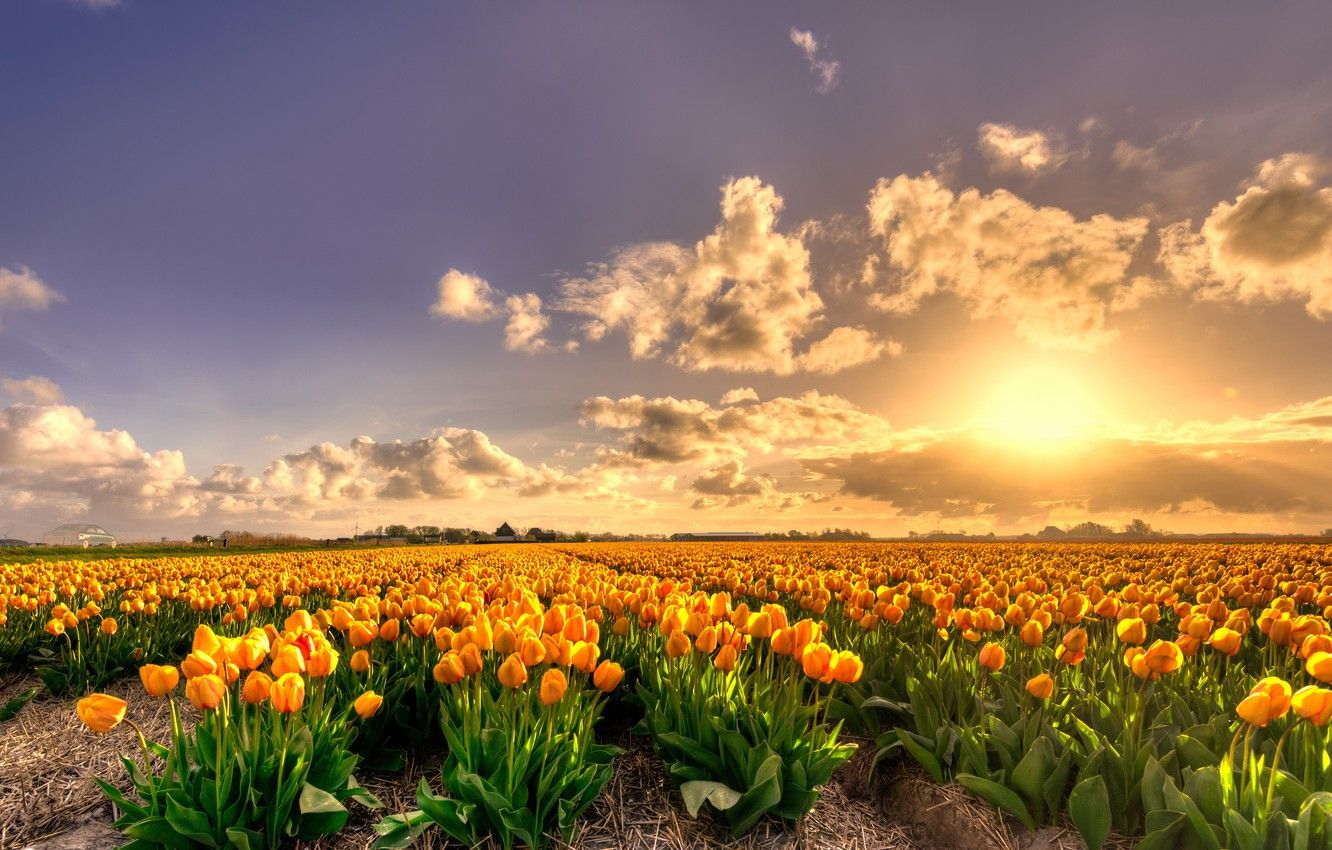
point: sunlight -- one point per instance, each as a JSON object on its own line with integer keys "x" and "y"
{"x": 1039, "y": 406}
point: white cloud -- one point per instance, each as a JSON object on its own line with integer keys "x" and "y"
{"x": 666, "y": 430}
{"x": 728, "y": 485}
{"x": 23, "y": 290}
{"x": 737, "y": 302}
{"x": 1008, "y": 148}
{"x": 1056, "y": 277}
{"x": 526, "y": 323}
{"x": 738, "y": 395}
{"x": 827, "y": 71}
{"x": 846, "y": 347}
{"x": 1273, "y": 243}
{"x": 465, "y": 297}
{"x": 34, "y": 389}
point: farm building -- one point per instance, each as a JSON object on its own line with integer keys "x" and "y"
{"x": 76, "y": 534}
{"x": 718, "y": 535}
{"x": 506, "y": 534}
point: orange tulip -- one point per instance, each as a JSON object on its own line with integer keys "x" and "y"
{"x": 257, "y": 687}
{"x": 992, "y": 657}
{"x": 1033, "y": 633}
{"x": 109, "y": 626}
{"x": 726, "y": 658}
{"x": 677, "y": 645}
{"x": 1226, "y": 641}
{"x": 847, "y": 667}
{"x": 1269, "y": 699}
{"x": 1041, "y": 686}
{"x": 323, "y": 661}
{"x": 1319, "y": 666}
{"x": 608, "y": 676}
{"x": 449, "y": 669}
{"x": 198, "y": 663}
{"x": 1313, "y": 704}
{"x": 367, "y": 704}
{"x": 1163, "y": 656}
{"x": 553, "y": 686}
{"x": 1132, "y": 631}
{"x": 815, "y": 660}
{"x": 360, "y": 661}
{"x": 513, "y": 673}
{"x": 159, "y": 680}
{"x": 288, "y": 693}
{"x": 101, "y": 712}
{"x": 206, "y": 691}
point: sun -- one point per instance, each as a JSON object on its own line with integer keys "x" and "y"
{"x": 1040, "y": 405}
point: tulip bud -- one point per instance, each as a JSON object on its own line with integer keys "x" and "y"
{"x": 159, "y": 680}
{"x": 367, "y": 704}
{"x": 101, "y": 712}
{"x": 1042, "y": 687}
{"x": 553, "y": 686}
{"x": 206, "y": 691}
{"x": 288, "y": 693}
{"x": 607, "y": 676}
{"x": 513, "y": 673}
{"x": 257, "y": 687}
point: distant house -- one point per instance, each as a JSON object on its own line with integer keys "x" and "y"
{"x": 536, "y": 535}
{"x": 506, "y": 534}
{"x": 10, "y": 541}
{"x": 722, "y": 536}
{"x": 76, "y": 534}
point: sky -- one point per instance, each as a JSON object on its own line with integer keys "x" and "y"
{"x": 635, "y": 267}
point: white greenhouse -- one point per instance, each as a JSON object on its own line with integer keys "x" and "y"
{"x": 75, "y": 534}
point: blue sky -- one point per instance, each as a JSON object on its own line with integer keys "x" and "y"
{"x": 247, "y": 209}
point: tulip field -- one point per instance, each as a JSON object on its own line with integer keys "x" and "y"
{"x": 1165, "y": 695}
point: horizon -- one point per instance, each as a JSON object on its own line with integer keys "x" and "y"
{"x": 632, "y": 268}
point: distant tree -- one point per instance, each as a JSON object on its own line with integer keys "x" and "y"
{"x": 581, "y": 536}
{"x": 397, "y": 530}
{"x": 1327, "y": 532}
{"x": 456, "y": 535}
{"x": 201, "y": 538}
{"x": 1140, "y": 528}
{"x": 1091, "y": 529}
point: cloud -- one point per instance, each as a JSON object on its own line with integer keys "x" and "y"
{"x": 728, "y": 485}
{"x": 34, "y": 389}
{"x": 826, "y": 70}
{"x": 738, "y": 301}
{"x": 23, "y": 290}
{"x": 1279, "y": 464}
{"x": 1273, "y": 243}
{"x": 56, "y": 456}
{"x": 738, "y": 395}
{"x": 465, "y": 297}
{"x": 1056, "y": 277}
{"x": 526, "y": 324}
{"x": 1152, "y": 159}
{"x": 846, "y": 347}
{"x": 1008, "y": 148}
{"x": 667, "y": 430}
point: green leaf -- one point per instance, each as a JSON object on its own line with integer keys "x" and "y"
{"x": 158, "y": 830}
{"x": 1089, "y": 809}
{"x": 1176, "y": 801}
{"x": 1163, "y": 830}
{"x": 245, "y": 839}
{"x": 720, "y": 796}
{"x": 922, "y": 755}
{"x": 11, "y": 709}
{"x": 997, "y": 795}
{"x": 191, "y": 823}
{"x": 1030, "y": 774}
{"x": 321, "y": 813}
{"x": 1241, "y": 833}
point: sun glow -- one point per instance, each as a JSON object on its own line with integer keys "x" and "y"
{"x": 1040, "y": 405}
